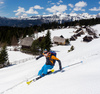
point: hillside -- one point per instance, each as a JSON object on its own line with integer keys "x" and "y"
{"x": 83, "y": 78}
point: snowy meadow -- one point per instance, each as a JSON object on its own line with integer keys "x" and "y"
{"x": 82, "y": 78}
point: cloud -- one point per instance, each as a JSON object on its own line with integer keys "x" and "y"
{"x": 24, "y": 15}
{"x": 44, "y": 13}
{"x": 52, "y": 3}
{"x": 78, "y": 9}
{"x": 38, "y": 7}
{"x": 21, "y": 15}
{"x": 95, "y": 9}
{"x": 49, "y": 1}
{"x": 71, "y": 5}
{"x": 1, "y": 3}
{"x": 31, "y": 11}
{"x": 80, "y": 5}
{"x": 20, "y": 12}
{"x": 20, "y": 9}
{"x": 60, "y": 8}
{"x": 60, "y": 1}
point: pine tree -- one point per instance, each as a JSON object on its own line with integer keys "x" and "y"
{"x": 3, "y": 56}
{"x": 35, "y": 47}
{"x": 48, "y": 41}
{"x": 42, "y": 44}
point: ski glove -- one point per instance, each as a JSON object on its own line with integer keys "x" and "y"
{"x": 37, "y": 58}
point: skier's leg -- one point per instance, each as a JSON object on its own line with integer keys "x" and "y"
{"x": 46, "y": 67}
{"x": 41, "y": 71}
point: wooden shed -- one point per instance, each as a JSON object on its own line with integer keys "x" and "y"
{"x": 26, "y": 42}
{"x": 59, "y": 40}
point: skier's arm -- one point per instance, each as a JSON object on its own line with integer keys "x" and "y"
{"x": 40, "y": 56}
{"x": 55, "y": 58}
{"x": 60, "y": 66}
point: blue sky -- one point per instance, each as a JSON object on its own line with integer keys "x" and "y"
{"x": 27, "y": 8}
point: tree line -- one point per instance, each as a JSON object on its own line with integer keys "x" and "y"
{"x": 85, "y": 22}
{"x": 11, "y": 35}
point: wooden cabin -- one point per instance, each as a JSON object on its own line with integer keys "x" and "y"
{"x": 26, "y": 42}
{"x": 59, "y": 40}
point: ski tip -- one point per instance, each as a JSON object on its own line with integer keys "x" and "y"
{"x": 29, "y": 82}
{"x": 52, "y": 70}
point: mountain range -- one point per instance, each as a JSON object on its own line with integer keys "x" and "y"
{"x": 40, "y": 19}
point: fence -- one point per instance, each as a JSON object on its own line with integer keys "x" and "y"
{"x": 22, "y": 60}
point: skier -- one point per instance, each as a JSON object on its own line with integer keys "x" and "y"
{"x": 50, "y": 62}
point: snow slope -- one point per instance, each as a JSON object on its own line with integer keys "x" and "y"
{"x": 83, "y": 78}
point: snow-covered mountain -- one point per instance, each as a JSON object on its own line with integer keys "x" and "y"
{"x": 40, "y": 19}
{"x": 98, "y": 15}
{"x": 64, "y": 17}
{"x": 83, "y": 78}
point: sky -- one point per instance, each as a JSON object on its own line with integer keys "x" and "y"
{"x": 27, "y": 8}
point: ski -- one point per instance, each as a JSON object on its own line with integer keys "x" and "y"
{"x": 37, "y": 78}
{"x": 53, "y": 71}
